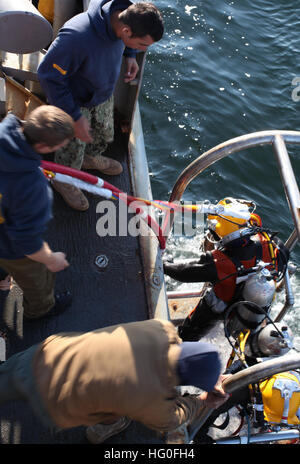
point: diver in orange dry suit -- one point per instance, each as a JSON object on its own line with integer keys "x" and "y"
{"x": 240, "y": 245}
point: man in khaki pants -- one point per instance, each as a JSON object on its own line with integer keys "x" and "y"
{"x": 25, "y": 207}
{"x": 108, "y": 377}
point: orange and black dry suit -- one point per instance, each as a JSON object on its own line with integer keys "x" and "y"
{"x": 221, "y": 267}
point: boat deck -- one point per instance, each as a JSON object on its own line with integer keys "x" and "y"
{"x": 100, "y": 298}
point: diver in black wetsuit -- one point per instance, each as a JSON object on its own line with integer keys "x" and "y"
{"x": 240, "y": 246}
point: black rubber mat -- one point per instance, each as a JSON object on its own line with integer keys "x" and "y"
{"x": 101, "y": 298}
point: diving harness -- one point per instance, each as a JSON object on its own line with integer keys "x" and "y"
{"x": 276, "y": 400}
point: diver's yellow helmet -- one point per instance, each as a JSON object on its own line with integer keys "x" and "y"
{"x": 281, "y": 398}
{"x": 225, "y": 223}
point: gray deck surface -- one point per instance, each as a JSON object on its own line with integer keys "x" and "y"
{"x": 100, "y": 298}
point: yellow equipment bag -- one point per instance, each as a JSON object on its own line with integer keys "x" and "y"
{"x": 281, "y": 398}
{"x": 46, "y": 8}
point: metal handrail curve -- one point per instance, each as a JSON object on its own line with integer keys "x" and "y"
{"x": 227, "y": 148}
{"x": 277, "y": 138}
{"x": 246, "y": 377}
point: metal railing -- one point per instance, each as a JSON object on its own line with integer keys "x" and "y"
{"x": 278, "y": 140}
{"x": 228, "y": 148}
{"x": 244, "y": 378}
{"x": 269, "y": 437}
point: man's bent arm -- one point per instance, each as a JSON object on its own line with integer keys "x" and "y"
{"x": 54, "y": 261}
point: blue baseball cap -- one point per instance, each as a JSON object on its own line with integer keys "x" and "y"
{"x": 199, "y": 365}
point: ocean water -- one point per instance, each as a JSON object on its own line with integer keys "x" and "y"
{"x": 224, "y": 69}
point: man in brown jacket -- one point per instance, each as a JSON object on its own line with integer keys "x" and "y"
{"x": 113, "y": 375}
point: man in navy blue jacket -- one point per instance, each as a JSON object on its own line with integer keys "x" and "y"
{"x": 79, "y": 73}
{"x": 25, "y": 207}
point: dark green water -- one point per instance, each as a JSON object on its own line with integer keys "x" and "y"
{"x": 224, "y": 69}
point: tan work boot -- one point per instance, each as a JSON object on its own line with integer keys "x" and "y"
{"x": 103, "y": 164}
{"x": 73, "y": 196}
{"x": 100, "y": 432}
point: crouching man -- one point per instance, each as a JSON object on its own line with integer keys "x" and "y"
{"x": 26, "y": 207}
{"x": 105, "y": 378}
